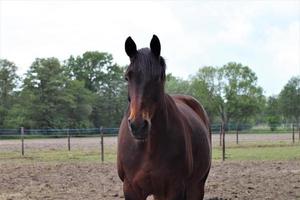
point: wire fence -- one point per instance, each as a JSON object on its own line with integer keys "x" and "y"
{"x": 55, "y": 133}
{"x": 233, "y": 135}
{"x": 223, "y": 136}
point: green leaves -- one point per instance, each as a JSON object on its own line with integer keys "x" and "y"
{"x": 85, "y": 91}
{"x": 89, "y": 91}
{"x": 175, "y": 85}
{"x": 8, "y": 82}
{"x": 105, "y": 81}
{"x": 231, "y": 91}
{"x": 289, "y": 99}
{"x": 91, "y": 68}
{"x": 273, "y": 112}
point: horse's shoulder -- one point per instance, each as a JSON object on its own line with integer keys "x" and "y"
{"x": 121, "y": 140}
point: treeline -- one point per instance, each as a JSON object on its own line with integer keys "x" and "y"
{"x": 83, "y": 91}
{"x": 90, "y": 91}
{"x": 230, "y": 94}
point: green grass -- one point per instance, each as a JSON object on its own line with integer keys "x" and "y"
{"x": 257, "y": 131}
{"x": 234, "y": 152}
{"x": 259, "y": 144}
{"x": 267, "y": 152}
{"x": 58, "y": 156}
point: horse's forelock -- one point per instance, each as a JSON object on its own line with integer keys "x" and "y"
{"x": 146, "y": 63}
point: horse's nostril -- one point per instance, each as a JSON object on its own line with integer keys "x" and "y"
{"x": 145, "y": 124}
{"x": 138, "y": 128}
{"x": 133, "y": 127}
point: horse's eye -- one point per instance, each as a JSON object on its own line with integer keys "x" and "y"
{"x": 128, "y": 98}
{"x": 128, "y": 75}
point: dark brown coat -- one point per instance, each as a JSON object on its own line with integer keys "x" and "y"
{"x": 164, "y": 146}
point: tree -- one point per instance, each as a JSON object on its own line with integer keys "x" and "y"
{"x": 231, "y": 90}
{"x": 20, "y": 114}
{"x": 273, "y": 112}
{"x": 243, "y": 97}
{"x": 205, "y": 86}
{"x": 289, "y": 99}
{"x": 111, "y": 100}
{"x": 50, "y": 100}
{"x": 90, "y": 68}
{"x": 78, "y": 104}
{"x": 104, "y": 79}
{"x": 8, "y": 82}
{"x": 45, "y": 81}
{"x": 175, "y": 85}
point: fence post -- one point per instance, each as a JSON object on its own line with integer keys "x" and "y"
{"x": 22, "y": 140}
{"x": 69, "y": 138}
{"x": 299, "y": 132}
{"x": 210, "y": 134}
{"x": 237, "y": 134}
{"x": 221, "y": 135}
{"x": 223, "y": 142}
{"x": 102, "y": 144}
{"x": 293, "y": 133}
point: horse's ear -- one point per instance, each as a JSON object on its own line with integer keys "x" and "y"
{"x": 130, "y": 47}
{"x": 155, "y": 46}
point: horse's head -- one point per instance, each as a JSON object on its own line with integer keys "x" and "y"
{"x": 145, "y": 76}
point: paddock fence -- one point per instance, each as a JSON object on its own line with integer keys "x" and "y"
{"x": 246, "y": 135}
{"x": 223, "y": 137}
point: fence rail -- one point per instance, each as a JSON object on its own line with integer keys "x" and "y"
{"x": 57, "y": 132}
{"x": 229, "y": 128}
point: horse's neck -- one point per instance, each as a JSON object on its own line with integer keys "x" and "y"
{"x": 168, "y": 124}
{"x": 162, "y": 114}
{"x": 162, "y": 119}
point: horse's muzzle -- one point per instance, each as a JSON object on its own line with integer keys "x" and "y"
{"x": 140, "y": 129}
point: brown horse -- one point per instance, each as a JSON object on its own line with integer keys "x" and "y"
{"x": 164, "y": 145}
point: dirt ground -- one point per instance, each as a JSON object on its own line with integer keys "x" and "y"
{"x": 227, "y": 180}
{"x": 93, "y": 180}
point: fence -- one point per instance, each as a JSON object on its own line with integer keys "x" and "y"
{"x": 222, "y": 135}
{"x": 245, "y": 134}
{"x": 26, "y": 134}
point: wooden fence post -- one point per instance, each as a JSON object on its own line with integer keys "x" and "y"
{"x": 102, "y": 144}
{"x": 293, "y": 134}
{"x": 210, "y": 134}
{"x": 237, "y": 134}
{"x": 299, "y": 132}
{"x": 223, "y": 142}
{"x": 22, "y": 140}
{"x": 221, "y": 135}
{"x": 69, "y": 138}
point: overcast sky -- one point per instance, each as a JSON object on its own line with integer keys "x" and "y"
{"x": 264, "y": 35}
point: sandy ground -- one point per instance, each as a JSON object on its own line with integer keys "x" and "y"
{"x": 227, "y": 180}
{"x": 94, "y": 143}
{"x": 93, "y": 180}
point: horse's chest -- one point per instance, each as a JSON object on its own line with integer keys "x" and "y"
{"x": 154, "y": 177}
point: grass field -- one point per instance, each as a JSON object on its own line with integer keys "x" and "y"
{"x": 264, "y": 151}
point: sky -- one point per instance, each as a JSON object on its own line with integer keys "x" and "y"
{"x": 263, "y": 35}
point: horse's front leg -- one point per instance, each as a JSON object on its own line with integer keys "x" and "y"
{"x": 132, "y": 193}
